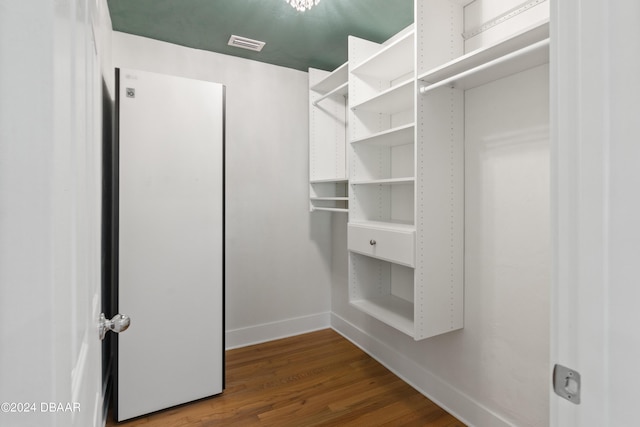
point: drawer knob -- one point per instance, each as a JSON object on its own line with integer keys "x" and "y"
{"x": 372, "y": 242}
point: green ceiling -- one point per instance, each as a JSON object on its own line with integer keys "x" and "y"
{"x": 316, "y": 38}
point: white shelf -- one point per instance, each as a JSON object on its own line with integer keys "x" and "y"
{"x": 386, "y": 181}
{"x": 327, "y": 199}
{"x": 329, "y": 181}
{"x": 391, "y": 310}
{"x": 389, "y": 138}
{"x": 391, "y": 61}
{"x": 393, "y": 100}
{"x": 402, "y": 226}
{"x": 342, "y": 90}
{"x": 316, "y": 208}
{"x": 506, "y": 57}
{"x": 335, "y": 79}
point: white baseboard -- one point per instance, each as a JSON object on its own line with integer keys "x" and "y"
{"x": 264, "y": 332}
{"x": 467, "y": 410}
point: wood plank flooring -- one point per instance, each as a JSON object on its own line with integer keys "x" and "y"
{"x": 315, "y": 379}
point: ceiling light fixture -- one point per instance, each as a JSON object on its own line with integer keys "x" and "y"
{"x": 302, "y": 5}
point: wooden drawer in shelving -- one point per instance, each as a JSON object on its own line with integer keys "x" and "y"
{"x": 394, "y": 245}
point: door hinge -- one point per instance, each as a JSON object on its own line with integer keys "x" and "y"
{"x": 566, "y": 383}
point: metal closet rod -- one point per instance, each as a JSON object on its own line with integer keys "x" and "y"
{"x": 328, "y": 94}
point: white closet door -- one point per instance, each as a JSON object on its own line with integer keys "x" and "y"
{"x": 171, "y": 241}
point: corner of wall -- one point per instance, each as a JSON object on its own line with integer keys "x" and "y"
{"x": 265, "y": 332}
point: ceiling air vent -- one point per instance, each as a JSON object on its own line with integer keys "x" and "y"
{"x": 246, "y": 43}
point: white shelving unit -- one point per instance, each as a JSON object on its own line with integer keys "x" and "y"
{"x": 406, "y": 158}
{"x": 328, "y": 184}
{"x": 387, "y": 133}
{"x": 382, "y": 170}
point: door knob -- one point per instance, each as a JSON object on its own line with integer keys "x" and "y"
{"x": 119, "y": 323}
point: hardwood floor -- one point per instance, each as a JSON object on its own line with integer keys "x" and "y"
{"x": 315, "y": 379}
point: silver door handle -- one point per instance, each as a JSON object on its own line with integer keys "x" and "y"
{"x": 119, "y": 323}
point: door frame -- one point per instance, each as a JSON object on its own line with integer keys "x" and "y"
{"x": 596, "y": 240}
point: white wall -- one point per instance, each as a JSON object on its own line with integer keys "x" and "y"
{"x": 277, "y": 254}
